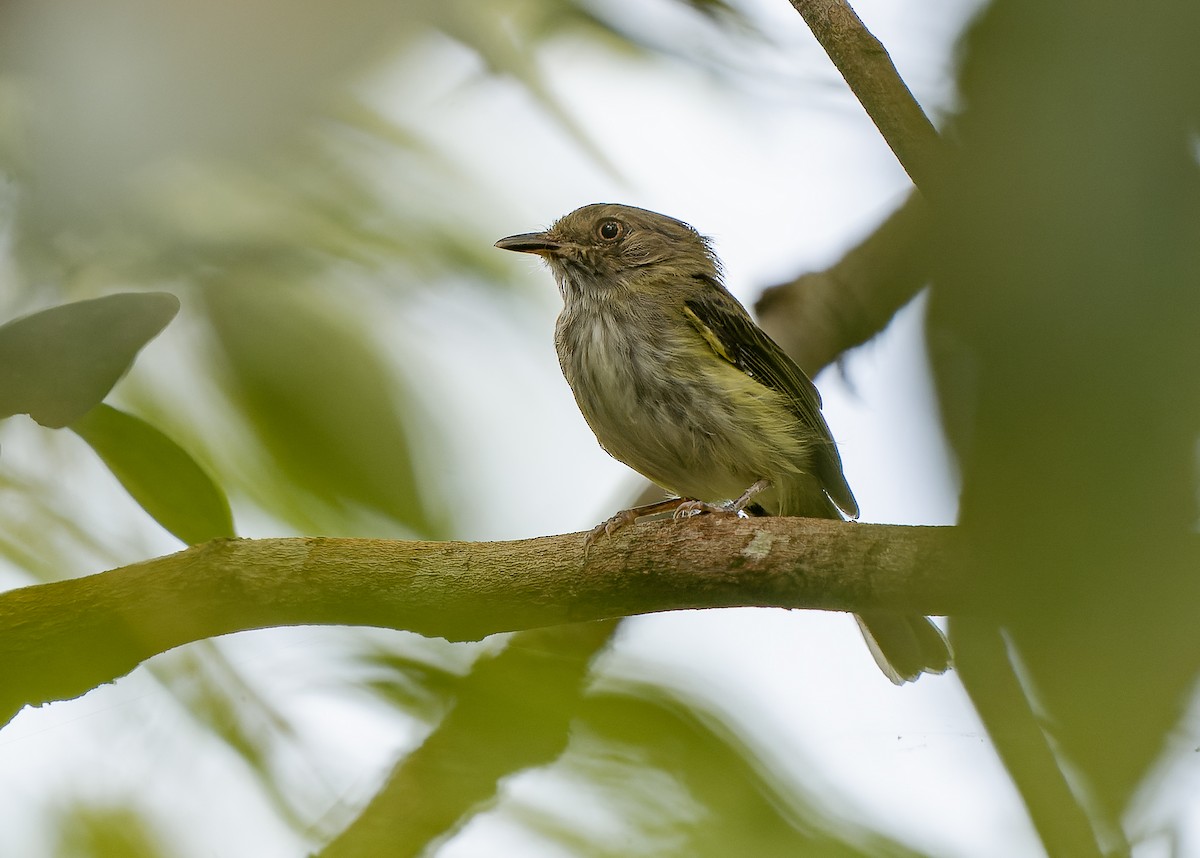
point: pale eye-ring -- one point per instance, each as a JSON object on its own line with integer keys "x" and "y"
{"x": 610, "y": 230}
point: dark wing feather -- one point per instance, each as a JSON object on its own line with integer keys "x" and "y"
{"x": 728, "y": 328}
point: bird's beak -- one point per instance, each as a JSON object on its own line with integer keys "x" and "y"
{"x": 531, "y": 242}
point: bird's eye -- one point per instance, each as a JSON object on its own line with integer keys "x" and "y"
{"x": 610, "y": 230}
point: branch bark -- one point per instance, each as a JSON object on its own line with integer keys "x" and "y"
{"x": 59, "y": 640}
{"x": 868, "y": 70}
{"x": 819, "y": 315}
{"x": 847, "y": 304}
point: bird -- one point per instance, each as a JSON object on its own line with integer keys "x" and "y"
{"x": 677, "y": 381}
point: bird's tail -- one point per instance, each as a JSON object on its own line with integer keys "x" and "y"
{"x": 905, "y": 645}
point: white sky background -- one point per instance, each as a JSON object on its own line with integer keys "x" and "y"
{"x": 784, "y": 171}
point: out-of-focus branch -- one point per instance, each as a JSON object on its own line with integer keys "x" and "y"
{"x": 513, "y": 713}
{"x": 821, "y": 314}
{"x": 59, "y": 640}
{"x": 867, "y": 68}
{"x": 1002, "y": 703}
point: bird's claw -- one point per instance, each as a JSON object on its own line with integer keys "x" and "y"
{"x": 610, "y": 526}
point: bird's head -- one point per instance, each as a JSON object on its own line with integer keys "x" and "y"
{"x": 606, "y": 250}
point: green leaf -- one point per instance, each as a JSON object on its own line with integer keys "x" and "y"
{"x": 158, "y": 474}
{"x": 57, "y": 364}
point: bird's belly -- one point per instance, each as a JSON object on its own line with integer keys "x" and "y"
{"x": 699, "y": 428}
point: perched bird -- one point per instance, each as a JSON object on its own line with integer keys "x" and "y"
{"x": 678, "y": 382}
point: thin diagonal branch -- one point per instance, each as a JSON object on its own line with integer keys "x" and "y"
{"x": 987, "y": 673}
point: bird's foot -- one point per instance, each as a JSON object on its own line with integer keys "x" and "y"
{"x": 627, "y": 517}
{"x": 695, "y": 507}
{"x": 611, "y": 525}
{"x": 734, "y": 507}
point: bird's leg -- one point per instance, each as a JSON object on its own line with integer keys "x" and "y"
{"x": 627, "y": 517}
{"x": 750, "y": 493}
{"x": 695, "y": 507}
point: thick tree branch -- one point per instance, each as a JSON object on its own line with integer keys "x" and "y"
{"x": 59, "y": 640}
{"x": 821, "y": 314}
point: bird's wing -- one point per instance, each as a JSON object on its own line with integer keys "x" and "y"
{"x": 732, "y": 334}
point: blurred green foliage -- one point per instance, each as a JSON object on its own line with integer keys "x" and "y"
{"x": 159, "y": 474}
{"x": 57, "y": 364}
{"x": 674, "y": 771}
{"x": 238, "y": 156}
{"x": 1064, "y": 319}
{"x": 94, "y": 831}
